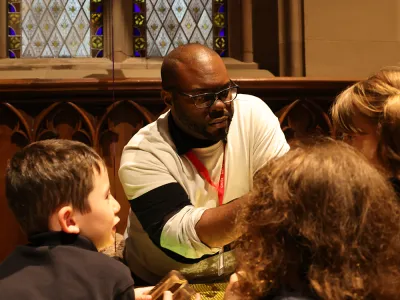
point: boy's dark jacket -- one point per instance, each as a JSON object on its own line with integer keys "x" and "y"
{"x": 56, "y": 265}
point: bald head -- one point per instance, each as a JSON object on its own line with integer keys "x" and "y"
{"x": 191, "y": 58}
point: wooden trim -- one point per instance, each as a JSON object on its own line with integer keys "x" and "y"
{"x": 279, "y": 84}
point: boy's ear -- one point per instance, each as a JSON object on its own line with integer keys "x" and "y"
{"x": 167, "y": 97}
{"x": 67, "y": 220}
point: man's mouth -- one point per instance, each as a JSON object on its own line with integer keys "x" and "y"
{"x": 218, "y": 121}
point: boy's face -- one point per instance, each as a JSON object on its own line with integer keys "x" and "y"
{"x": 99, "y": 225}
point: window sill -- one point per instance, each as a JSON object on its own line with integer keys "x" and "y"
{"x": 75, "y": 68}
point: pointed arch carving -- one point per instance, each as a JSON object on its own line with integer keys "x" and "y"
{"x": 15, "y": 133}
{"x": 302, "y": 118}
{"x": 64, "y": 120}
{"x": 116, "y": 127}
{"x": 22, "y": 126}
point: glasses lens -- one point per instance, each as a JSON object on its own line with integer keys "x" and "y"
{"x": 204, "y": 100}
{"x": 232, "y": 94}
{"x": 223, "y": 95}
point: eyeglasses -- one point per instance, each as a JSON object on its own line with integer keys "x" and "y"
{"x": 206, "y": 100}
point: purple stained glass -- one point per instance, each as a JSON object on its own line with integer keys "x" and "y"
{"x": 11, "y": 31}
{"x": 222, "y": 54}
{"x": 221, "y": 9}
{"x": 136, "y": 32}
{"x": 222, "y": 32}
{"x": 136, "y": 8}
{"x": 137, "y": 54}
{"x": 99, "y": 31}
{"x": 100, "y": 53}
{"x": 11, "y": 8}
{"x": 11, "y": 54}
{"x": 99, "y": 9}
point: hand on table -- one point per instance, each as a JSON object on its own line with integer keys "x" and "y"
{"x": 168, "y": 296}
{"x": 142, "y": 294}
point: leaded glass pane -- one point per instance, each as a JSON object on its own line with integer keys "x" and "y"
{"x": 159, "y": 26}
{"x": 55, "y": 28}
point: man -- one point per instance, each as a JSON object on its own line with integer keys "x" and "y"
{"x": 182, "y": 172}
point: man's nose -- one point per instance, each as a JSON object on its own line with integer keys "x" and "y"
{"x": 218, "y": 105}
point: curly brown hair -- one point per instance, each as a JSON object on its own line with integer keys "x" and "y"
{"x": 323, "y": 210}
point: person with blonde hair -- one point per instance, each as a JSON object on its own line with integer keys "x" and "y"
{"x": 368, "y": 116}
{"x": 321, "y": 223}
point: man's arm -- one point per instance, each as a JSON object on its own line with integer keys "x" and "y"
{"x": 167, "y": 215}
{"x": 216, "y": 227}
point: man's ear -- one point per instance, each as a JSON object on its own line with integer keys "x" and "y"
{"x": 167, "y": 98}
{"x": 67, "y": 220}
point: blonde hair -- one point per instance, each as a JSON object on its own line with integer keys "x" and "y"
{"x": 376, "y": 100}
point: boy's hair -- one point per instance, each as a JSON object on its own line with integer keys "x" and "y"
{"x": 377, "y": 101}
{"x": 323, "y": 210}
{"x": 47, "y": 174}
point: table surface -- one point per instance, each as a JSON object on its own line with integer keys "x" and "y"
{"x": 210, "y": 291}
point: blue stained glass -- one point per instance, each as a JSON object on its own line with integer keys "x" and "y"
{"x": 100, "y": 53}
{"x": 222, "y": 32}
{"x": 137, "y": 54}
{"x": 136, "y": 32}
{"x": 136, "y": 8}
{"x": 11, "y": 54}
{"x": 11, "y": 31}
{"x": 99, "y": 31}
{"x": 221, "y": 9}
{"x": 11, "y": 8}
{"x": 222, "y": 54}
{"x": 99, "y": 9}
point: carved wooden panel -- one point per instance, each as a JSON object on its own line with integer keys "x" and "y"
{"x": 15, "y": 133}
{"x": 303, "y": 118}
{"x": 116, "y": 127}
{"x": 86, "y": 111}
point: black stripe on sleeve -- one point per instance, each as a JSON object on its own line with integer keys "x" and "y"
{"x": 153, "y": 210}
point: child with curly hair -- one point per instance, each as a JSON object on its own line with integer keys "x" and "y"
{"x": 320, "y": 223}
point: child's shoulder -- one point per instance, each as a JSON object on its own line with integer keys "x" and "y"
{"x": 63, "y": 266}
{"x": 93, "y": 261}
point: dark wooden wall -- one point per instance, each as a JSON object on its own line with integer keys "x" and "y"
{"x": 105, "y": 115}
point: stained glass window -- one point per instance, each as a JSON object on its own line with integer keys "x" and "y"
{"x": 55, "y": 28}
{"x": 159, "y": 26}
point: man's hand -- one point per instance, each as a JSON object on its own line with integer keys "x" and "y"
{"x": 217, "y": 226}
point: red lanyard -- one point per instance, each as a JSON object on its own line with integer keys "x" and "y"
{"x": 204, "y": 173}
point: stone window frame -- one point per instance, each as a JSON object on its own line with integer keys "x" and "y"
{"x": 240, "y": 41}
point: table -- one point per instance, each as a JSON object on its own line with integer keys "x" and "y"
{"x": 210, "y": 291}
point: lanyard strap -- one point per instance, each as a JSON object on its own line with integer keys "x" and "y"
{"x": 204, "y": 173}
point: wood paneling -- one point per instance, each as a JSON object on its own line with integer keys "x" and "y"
{"x": 106, "y": 114}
